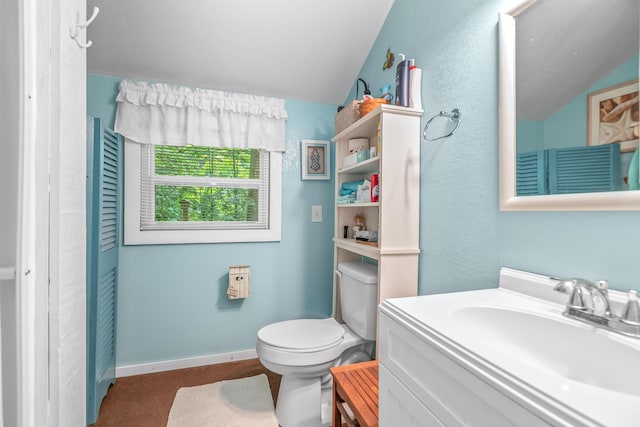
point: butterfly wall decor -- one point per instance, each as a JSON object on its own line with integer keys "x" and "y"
{"x": 388, "y": 63}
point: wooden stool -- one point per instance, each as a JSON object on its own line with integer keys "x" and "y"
{"x": 356, "y": 387}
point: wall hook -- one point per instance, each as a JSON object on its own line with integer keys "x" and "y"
{"x": 78, "y": 26}
{"x": 454, "y": 115}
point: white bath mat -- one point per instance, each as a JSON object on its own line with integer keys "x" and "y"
{"x": 244, "y": 402}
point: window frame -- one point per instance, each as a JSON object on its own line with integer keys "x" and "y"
{"x": 133, "y": 235}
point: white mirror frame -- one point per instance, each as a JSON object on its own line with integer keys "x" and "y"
{"x": 605, "y": 201}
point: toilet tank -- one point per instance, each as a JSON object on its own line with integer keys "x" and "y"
{"x": 359, "y": 297}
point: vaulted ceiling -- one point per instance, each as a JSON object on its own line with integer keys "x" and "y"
{"x": 313, "y": 50}
{"x": 308, "y": 50}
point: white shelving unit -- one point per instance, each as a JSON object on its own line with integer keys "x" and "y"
{"x": 396, "y": 130}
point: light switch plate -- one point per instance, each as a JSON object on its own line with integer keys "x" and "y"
{"x": 316, "y": 213}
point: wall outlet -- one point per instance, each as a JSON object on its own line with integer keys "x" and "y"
{"x": 316, "y": 213}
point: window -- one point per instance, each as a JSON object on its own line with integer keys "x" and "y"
{"x": 201, "y": 166}
{"x": 191, "y": 194}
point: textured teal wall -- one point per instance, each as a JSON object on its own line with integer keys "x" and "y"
{"x": 530, "y": 135}
{"x": 172, "y": 302}
{"x": 464, "y": 237}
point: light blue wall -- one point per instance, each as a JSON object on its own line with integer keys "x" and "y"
{"x": 464, "y": 237}
{"x": 172, "y": 302}
{"x": 530, "y": 135}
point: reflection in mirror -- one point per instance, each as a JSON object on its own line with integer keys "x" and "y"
{"x": 573, "y": 127}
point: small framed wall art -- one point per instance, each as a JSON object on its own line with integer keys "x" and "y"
{"x": 614, "y": 116}
{"x": 316, "y": 159}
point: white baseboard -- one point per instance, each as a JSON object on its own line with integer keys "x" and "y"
{"x": 190, "y": 362}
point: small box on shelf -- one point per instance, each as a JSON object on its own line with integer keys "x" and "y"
{"x": 357, "y": 157}
{"x": 350, "y": 160}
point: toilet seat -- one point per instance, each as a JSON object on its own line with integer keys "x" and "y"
{"x": 294, "y": 343}
{"x": 302, "y": 335}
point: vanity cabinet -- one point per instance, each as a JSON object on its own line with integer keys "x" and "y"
{"x": 504, "y": 356}
{"x": 421, "y": 384}
{"x": 395, "y": 132}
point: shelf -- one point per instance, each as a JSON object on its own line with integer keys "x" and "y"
{"x": 364, "y": 125}
{"x": 368, "y": 166}
{"x": 396, "y": 133}
{"x": 7, "y": 273}
{"x": 358, "y": 248}
{"x": 357, "y": 205}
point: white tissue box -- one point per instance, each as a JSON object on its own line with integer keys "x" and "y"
{"x": 350, "y": 160}
{"x": 357, "y": 157}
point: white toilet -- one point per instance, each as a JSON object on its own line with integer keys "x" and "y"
{"x": 303, "y": 350}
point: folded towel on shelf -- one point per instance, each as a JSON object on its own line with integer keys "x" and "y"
{"x": 350, "y": 187}
{"x": 341, "y": 200}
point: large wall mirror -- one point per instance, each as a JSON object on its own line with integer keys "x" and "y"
{"x": 569, "y": 116}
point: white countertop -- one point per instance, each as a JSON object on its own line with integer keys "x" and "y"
{"x": 527, "y": 347}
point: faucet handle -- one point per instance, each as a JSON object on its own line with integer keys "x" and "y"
{"x": 603, "y": 285}
{"x": 631, "y": 312}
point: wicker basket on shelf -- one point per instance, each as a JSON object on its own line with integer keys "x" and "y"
{"x": 370, "y": 105}
{"x": 347, "y": 116}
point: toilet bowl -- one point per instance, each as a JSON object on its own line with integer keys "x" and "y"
{"x": 303, "y": 350}
{"x": 303, "y": 368}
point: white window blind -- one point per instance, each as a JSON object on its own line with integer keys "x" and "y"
{"x": 198, "y": 188}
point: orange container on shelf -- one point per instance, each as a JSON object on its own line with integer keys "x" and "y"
{"x": 371, "y": 104}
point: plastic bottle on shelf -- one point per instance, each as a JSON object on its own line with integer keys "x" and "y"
{"x": 415, "y": 85}
{"x": 375, "y": 189}
{"x": 402, "y": 82}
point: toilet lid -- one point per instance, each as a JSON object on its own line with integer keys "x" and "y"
{"x": 302, "y": 333}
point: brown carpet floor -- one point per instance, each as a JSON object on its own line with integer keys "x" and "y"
{"x": 145, "y": 400}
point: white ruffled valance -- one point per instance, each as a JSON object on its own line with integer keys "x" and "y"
{"x": 169, "y": 115}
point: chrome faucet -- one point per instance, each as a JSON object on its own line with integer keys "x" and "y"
{"x": 589, "y": 302}
{"x": 586, "y": 296}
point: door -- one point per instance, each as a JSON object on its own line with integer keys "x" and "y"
{"x": 103, "y": 201}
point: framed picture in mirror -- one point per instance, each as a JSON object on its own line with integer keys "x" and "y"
{"x": 614, "y": 116}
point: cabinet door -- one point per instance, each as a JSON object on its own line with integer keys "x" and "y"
{"x": 454, "y": 393}
{"x": 398, "y": 407}
{"x": 103, "y": 171}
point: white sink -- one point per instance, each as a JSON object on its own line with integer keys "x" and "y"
{"x": 560, "y": 345}
{"x": 516, "y": 336}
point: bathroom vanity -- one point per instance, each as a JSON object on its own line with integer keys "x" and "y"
{"x": 503, "y": 357}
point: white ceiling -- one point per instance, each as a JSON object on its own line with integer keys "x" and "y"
{"x": 564, "y": 47}
{"x": 307, "y": 50}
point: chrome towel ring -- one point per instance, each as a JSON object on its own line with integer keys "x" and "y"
{"x": 454, "y": 116}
